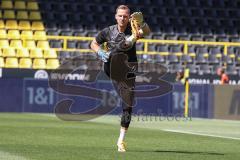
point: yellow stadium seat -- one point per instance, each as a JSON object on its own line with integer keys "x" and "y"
{"x": 52, "y": 64}
{"x": 39, "y": 64}
{"x": 25, "y": 63}
{"x": 8, "y": 14}
{"x": 0, "y": 52}
{"x": 13, "y": 34}
{"x": 11, "y": 62}
{"x": 0, "y": 14}
{"x": 9, "y": 52}
{"x": 4, "y": 43}
{"x": 43, "y": 44}
{"x": 37, "y": 25}
{"x": 35, "y": 15}
{"x": 22, "y": 52}
{"x": 36, "y": 53}
{"x": 2, "y": 24}
{"x": 30, "y": 44}
{"x": 32, "y": 6}
{"x": 20, "y": 5}
{"x": 6, "y": 4}
{"x": 11, "y": 24}
{"x": 24, "y": 25}
{"x": 1, "y": 62}
{"x": 40, "y": 35}
{"x": 3, "y": 34}
{"x": 50, "y": 53}
{"x": 16, "y": 44}
{"x": 27, "y": 35}
{"x": 22, "y": 15}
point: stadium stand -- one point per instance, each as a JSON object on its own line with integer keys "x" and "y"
{"x": 23, "y": 41}
{"x": 34, "y": 22}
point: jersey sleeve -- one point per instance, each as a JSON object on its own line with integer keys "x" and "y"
{"x": 102, "y": 36}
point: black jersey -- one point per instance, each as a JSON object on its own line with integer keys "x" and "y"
{"x": 112, "y": 36}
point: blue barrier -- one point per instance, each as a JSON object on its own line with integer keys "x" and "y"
{"x": 11, "y": 91}
{"x": 31, "y": 95}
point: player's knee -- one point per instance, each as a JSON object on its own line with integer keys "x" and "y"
{"x": 126, "y": 117}
{"x": 127, "y": 110}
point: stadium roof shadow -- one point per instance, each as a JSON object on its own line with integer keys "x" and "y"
{"x": 181, "y": 152}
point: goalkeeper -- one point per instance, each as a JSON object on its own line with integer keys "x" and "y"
{"x": 121, "y": 39}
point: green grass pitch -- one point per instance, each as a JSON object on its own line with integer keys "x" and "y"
{"x": 45, "y": 137}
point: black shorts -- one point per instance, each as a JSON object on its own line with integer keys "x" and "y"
{"x": 121, "y": 72}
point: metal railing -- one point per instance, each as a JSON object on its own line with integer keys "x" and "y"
{"x": 146, "y": 42}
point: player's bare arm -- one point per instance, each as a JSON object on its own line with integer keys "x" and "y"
{"x": 95, "y": 46}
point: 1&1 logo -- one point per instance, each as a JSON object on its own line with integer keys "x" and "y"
{"x": 120, "y": 71}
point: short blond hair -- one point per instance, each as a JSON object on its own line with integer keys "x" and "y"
{"x": 124, "y": 7}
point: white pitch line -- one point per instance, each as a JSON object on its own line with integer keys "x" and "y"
{"x": 9, "y": 156}
{"x": 200, "y": 134}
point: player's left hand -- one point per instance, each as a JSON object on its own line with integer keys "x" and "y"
{"x": 138, "y": 17}
{"x": 139, "y": 27}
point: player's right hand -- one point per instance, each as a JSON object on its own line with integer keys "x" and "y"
{"x": 103, "y": 55}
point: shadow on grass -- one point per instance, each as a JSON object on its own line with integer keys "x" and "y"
{"x": 180, "y": 152}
